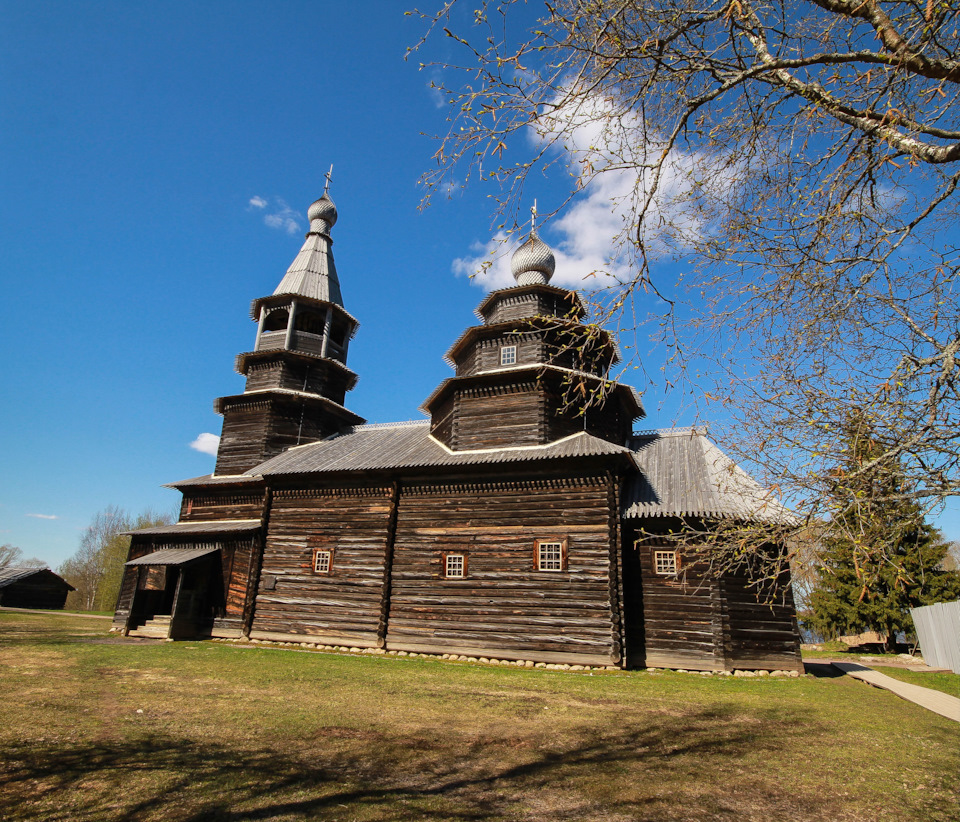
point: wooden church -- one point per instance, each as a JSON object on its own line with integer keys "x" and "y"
{"x": 510, "y": 524}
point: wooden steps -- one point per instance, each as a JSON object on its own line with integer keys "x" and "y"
{"x": 156, "y": 628}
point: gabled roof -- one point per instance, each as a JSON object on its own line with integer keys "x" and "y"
{"x": 10, "y": 575}
{"x": 684, "y": 474}
{"x": 410, "y": 445}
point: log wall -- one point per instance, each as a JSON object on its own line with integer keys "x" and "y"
{"x": 511, "y": 307}
{"x": 760, "y": 634}
{"x": 495, "y": 416}
{"x": 315, "y": 377}
{"x": 504, "y": 607}
{"x": 343, "y": 606}
{"x": 255, "y": 431}
{"x": 682, "y": 616}
{"x": 700, "y": 622}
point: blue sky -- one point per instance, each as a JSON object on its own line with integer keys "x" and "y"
{"x": 158, "y": 161}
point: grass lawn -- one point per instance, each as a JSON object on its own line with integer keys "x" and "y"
{"x": 94, "y": 729}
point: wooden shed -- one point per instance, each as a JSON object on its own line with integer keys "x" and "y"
{"x": 509, "y": 523}
{"x": 33, "y": 588}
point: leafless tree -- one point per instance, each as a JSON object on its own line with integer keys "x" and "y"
{"x": 12, "y": 557}
{"x": 800, "y": 157}
{"x": 96, "y": 568}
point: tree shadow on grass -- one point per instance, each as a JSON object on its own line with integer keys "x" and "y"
{"x": 685, "y": 767}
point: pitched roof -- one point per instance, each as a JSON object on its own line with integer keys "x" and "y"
{"x": 683, "y": 473}
{"x": 312, "y": 272}
{"x": 410, "y": 445}
{"x": 10, "y": 575}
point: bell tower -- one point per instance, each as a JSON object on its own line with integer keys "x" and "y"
{"x": 297, "y": 374}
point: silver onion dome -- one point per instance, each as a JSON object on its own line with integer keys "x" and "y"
{"x": 533, "y": 263}
{"x": 322, "y": 214}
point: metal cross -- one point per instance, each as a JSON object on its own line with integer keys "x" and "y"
{"x": 328, "y": 175}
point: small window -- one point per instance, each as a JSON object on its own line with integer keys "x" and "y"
{"x": 665, "y": 562}
{"x": 322, "y": 561}
{"x": 551, "y": 555}
{"x": 508, "y": 355}
{"x": 454, "y": 566}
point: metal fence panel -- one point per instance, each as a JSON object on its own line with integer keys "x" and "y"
{"x": 938, "y": 631}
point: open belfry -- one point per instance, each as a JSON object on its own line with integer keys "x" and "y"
{"x": 515, "y": 522}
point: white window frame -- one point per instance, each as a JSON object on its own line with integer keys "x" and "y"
{"x": 319, "y": 553}
{"x": 508, "y": 355}
{"x": 666, "y": 563}
{"x": 550, "y": 555}
{"x": 455, "y": 565}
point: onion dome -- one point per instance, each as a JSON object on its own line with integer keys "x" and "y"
{"x": 533, "y": 263}
{"x": 322, "y": 215}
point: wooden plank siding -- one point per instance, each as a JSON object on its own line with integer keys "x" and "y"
{"x": 139, "y": 546}
{"x": 504, "y": 607}
{"x": 205, "y": 506}
{"x": 343, "y": 606}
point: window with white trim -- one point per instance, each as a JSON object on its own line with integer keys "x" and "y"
{"x": 508, "y": 355}
{"x": 551, "y": 555}
{"x": 322, "y": 561}
{"x": 454, "y": 566}
{"x": 665, "y": 562}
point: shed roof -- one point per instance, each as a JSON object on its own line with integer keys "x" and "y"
{"x": 172, "y": 556}
{"x": 684, "y": 474}
{"x": 222, "y": 526}
{"x": 250, "y": 479}
{"x": 410, "y": 445}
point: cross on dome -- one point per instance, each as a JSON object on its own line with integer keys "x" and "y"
{"x": 533, "y": 263}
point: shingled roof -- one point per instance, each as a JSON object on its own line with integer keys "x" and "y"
{"x": 684, "y": 474}
{"x": 409, "y": 445}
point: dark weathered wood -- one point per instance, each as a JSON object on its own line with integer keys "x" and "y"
{"x": 41, "y": 589}
{"x": 504, "y": 602}
{"x": 292, "y": 599}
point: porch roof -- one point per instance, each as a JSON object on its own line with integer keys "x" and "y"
{"x": 173, "y": 556}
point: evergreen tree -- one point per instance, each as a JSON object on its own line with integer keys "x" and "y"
{"x": 879, "y": 557}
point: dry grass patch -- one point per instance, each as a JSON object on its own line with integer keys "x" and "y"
{"x": 209, "y": 731}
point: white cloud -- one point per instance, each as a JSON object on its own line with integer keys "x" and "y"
{"x": 279, "y": 214}
{"x": 606, "y": 150}
{"x": 206, "y": 444}
{"x": 44, "y": 516}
